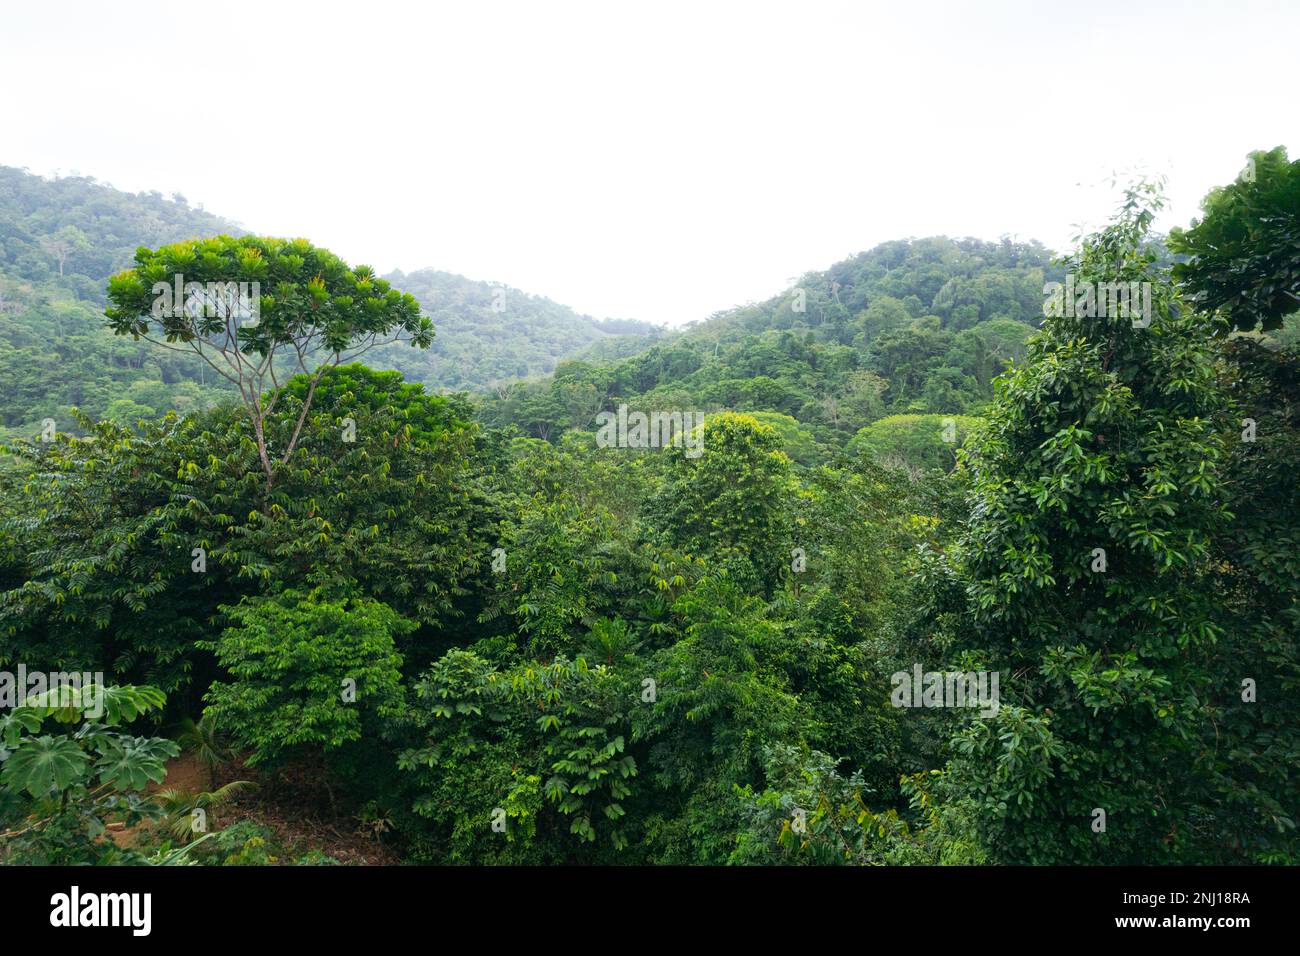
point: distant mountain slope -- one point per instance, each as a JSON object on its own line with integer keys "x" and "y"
{"x": 909, "y": 327}
{"x": 85, "y": 231}
{"x": 60, "y": 240}
{"x": 490, "y": 334}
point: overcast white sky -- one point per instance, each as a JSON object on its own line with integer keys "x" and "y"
{"x": 655, "y": 160}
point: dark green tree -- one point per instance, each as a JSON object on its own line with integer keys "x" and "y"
{"x": 306, "y": 671}
{"x": 1096, "y": 494}
{"x": 1245, "y": 251}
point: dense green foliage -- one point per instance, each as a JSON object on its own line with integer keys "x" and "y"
{"x": 305, "y": 670}
{"x": 914, "y": 441}
{"x": 1106, "y": 438}
{"x": 101, "y": 547}
{"x": 1245, "y": 253}
{"x": 495, "y": 638}
{"x": 60, "y": 790}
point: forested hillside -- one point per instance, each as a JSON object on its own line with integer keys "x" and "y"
{"x": 60, "y": 240}
{"x": 490, "y": 335}
{"x": 798, "y": 628}
{"x": 907, "y": 330}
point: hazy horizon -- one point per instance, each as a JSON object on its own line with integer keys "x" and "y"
{"x": 659, "y": 167}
